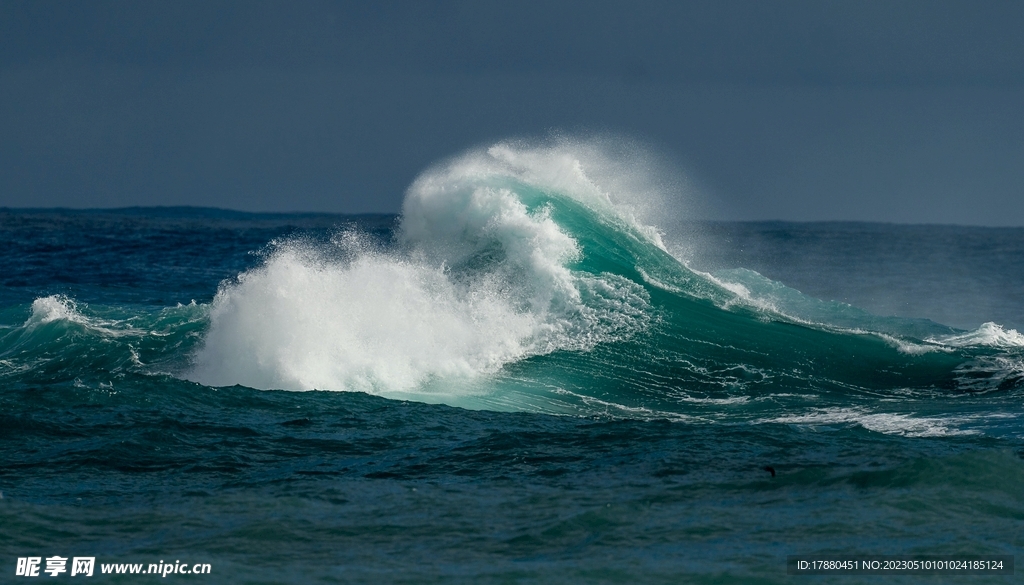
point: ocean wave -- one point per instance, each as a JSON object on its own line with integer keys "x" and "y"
{"x": 507, "y": 254}
{"x": 63, "y": 339}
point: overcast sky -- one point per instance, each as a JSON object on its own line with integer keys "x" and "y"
{"x": 883, "y": 111}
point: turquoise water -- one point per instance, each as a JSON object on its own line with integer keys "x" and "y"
{"x": 519, "y": 379}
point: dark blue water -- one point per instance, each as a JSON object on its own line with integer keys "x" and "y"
{"x": 637, "y": 456}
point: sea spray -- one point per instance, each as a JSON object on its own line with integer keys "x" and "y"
{"x": 482, "y": 276}
{"x": 301, "y": 323}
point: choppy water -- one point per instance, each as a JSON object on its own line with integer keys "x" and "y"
{"x": 520, "y": 379}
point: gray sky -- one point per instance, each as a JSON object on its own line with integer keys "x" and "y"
{"x": 859, "y": 110}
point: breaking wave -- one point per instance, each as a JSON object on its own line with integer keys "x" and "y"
{"x": 514, "y": 270}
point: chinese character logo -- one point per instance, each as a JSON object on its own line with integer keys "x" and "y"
{"x": 28, "y": 566}
{"x": 83, "y": 566}
{"x": 55, "y": 565}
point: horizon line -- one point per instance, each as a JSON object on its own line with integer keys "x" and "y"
{"x": 203, "y": 209}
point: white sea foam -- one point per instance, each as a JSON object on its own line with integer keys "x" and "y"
{"x": 742, "y": 296}
{"x": 990, "y": 373}
{"x": 376, "y": 322}
{"x": 880, "y": 422}
{"x": 715, "y": 401}
{"x": 987, "y": 335}
{"x": 479, "y": 280}
{"x": 60, "y": 308}
{"x": 54, "y": 308}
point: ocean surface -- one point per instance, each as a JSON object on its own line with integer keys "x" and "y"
{"x": 523, "y": 378}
